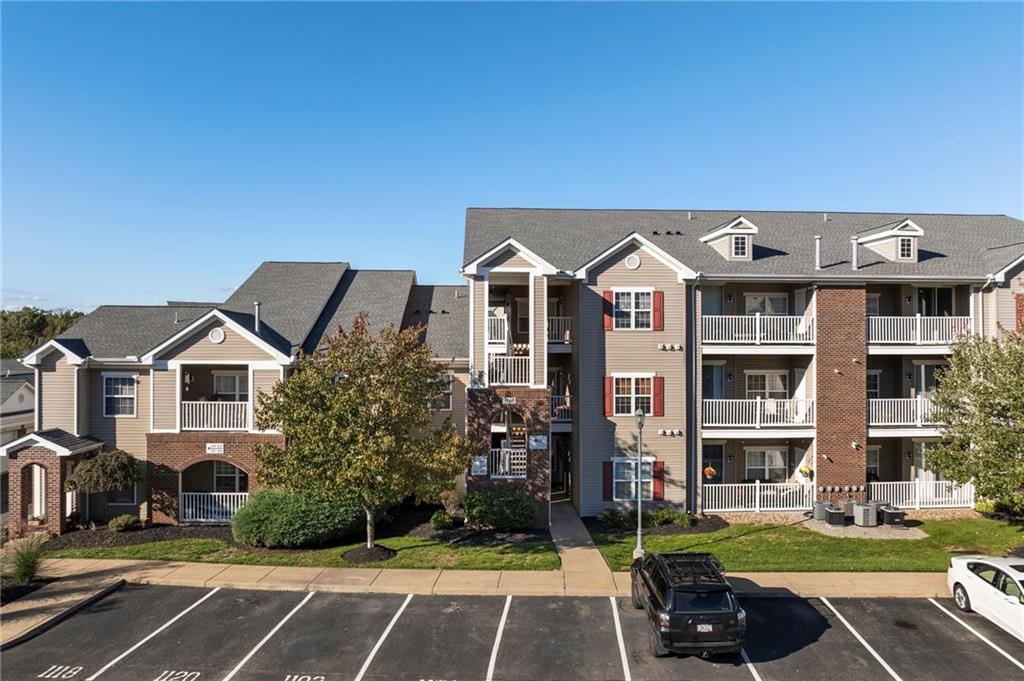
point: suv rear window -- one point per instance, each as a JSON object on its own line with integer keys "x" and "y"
{"x": 702, "y": 601}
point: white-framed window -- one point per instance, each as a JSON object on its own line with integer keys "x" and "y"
{"x": 767, "y": 303}
{"x": 522, "y": 315}
{"x": 624, "y": 478}
{"x": 633, "y": 308}
{"x": 740, "y": 245}
{"x": 228, "y": 477}
{"x": 905, "y": 248}
{"x": 231, "y": 386}
{"x": 444, "y": 402}
{"x": 766, "y": 464}
{"x": 874, "y": 378}
{"x": 768, "y": 385}
{"x": 119, "y": 395}
{"x": 872, "y": 460}
{"x": 632, "y": 393}
{"x": 873, "y": 304}
{"x": 121, "y": 497}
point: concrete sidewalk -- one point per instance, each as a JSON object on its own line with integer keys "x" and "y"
{"x": 569, "y": 582}
{"x": 41, "y": 609}
{"x": 585, "y": 569}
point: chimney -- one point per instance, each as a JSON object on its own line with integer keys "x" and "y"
{"x": 853, "y": 246}
{"x": 256, "y": 315}
{"x": 817, "y": 251}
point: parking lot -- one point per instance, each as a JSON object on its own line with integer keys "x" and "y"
{"x": 148, "y": 633}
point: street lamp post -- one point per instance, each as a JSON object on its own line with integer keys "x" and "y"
{"x": 638, "y": 552}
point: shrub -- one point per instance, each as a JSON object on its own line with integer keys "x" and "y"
{"x": 610, "y": 516}
{"x": 451, "y": 499}
{"x": 442, "y": 520}
{"x": 106, "y": 472}
{"x": 24, "y": 555}
{"x": 500, "y": 509}
{"x": 123, "y": 523}
{"x": 277, "y": 519}
{"x": 985, "y": 506}
{"x": 663, "y": 515}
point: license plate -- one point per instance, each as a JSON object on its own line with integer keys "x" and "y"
{"x": 705, "y": 628}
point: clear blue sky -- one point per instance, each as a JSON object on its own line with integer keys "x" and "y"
{"x": 162, "y": 151}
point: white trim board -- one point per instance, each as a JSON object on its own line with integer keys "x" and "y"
{"x": 682, "y": 271}
{"x": 250, "y": 336}
{"x": 476, "y": 267}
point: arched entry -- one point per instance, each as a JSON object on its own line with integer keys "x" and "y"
{"x": 33, "y": 492}
{"x": 212, "y": 491}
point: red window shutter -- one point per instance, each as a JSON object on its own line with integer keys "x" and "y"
{"x": 659, "y": 480}
{"x": 659, "y": 396}
{"x": 606, "y": 467}
{"x": 608, "y": 396}
{"x": 607, "y": 309}
{"x": 659, "y": 310}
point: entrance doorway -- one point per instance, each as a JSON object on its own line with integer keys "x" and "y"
{"x": 561, "y": 466}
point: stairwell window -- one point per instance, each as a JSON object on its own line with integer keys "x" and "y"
{"x": 632, "y": 393}
{"x": 624, "y": 478}
{"x": 633, "y": 309}
{"x": 740, "y": 245}
{"x": 444, "y": 402}
{"x": 874, "y": 385}
{"x": 872, "y": 461}
{"x": 119, "y": 395}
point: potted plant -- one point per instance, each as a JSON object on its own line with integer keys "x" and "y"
{"x": 806, "y": 471}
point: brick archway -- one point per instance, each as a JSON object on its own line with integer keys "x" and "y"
{"x": 21, "y": 482}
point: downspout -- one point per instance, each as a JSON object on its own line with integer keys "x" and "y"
{"x": 691, "y": 404}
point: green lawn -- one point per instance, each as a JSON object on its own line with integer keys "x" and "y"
{"x": 790, "y": 548}
{"x": 412, "y": 553}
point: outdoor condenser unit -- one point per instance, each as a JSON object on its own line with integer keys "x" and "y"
{"x": 865, "y": 515}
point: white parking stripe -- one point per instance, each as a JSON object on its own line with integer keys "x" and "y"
{"x": 497, "y": 639}
{"x": 140, "y": 643}
{"x": 270, "y": 633}
{"x": 750, "y": 665}
{"x": 622, "y": 644}
{"x": 864, "y": 643}
{"x": 974, "y": 631}
{"x": 380, "y": 641}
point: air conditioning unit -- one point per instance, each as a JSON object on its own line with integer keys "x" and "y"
{"x": 865, "y": 515}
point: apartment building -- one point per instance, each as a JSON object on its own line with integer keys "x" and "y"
{"x": 175, "y": 386}
{"x": 778, "y": 357}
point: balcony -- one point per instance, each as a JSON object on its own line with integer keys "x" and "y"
{"x": 904, "y": 411}
{"x": 508, "y": 370}
{"x": 560, "y": 330}
{"x": 757, "y": 329}
{"x": 508, "y": 463}
{"x": 210, "y": 507}
{"x": 214, "y": 415}
{"x": 497, "y": 330}
{"x": 917, "y": 330}
{"x": 561, "y": 410}
{"x": 759, "y": 413}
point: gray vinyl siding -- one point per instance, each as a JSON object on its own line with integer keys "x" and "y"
{"x": 124, "y": 432}
{"x": 540, "y": 330}
{"x": 479, "y": 313}
{"x": 83, "y": 402}
{"x": 164, "y": 400}
{"x": 603, "y": 353}
{"x": 460, "y": 382}
{"x": 885, "y": 248}
{"x": 199, "y": 347}
{"x": 508, "y": 259}
{"x": 890, "y": 380}
{"x": 57, "y": 392}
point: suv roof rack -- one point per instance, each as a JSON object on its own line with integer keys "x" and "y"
{"x": 683, "y": 568}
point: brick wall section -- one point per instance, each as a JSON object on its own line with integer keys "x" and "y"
{"x": 841, "y": 392}
{"x": 171, "y": 453}
{"x": 1019, "y": 298}
{"x": 534, "y": 405}
{"x": 20, "y": 490}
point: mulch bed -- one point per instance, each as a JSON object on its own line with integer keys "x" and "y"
{"x": 104, "y": 538}
{"x": 704, "y": 524}
{"x": 365, "y": 555}
{"x": 12, "y": 592}
{"x": 1015, "y": 552}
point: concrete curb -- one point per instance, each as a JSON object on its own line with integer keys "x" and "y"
{"x": 67, "y": 612}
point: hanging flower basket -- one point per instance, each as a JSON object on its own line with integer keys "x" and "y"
{"x": 806, "y": 471}
{"x": 710, "y": 472}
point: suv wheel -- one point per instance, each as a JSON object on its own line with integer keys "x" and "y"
{"x": 654, "y": 644}
{"x": 634, "y": 592}
{"x": 960, "y": 597}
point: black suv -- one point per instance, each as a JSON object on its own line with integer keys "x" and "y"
{"x": 690, "y": 604}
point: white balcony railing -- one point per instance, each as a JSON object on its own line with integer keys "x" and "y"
{"x": 917, "y": 330}
{"x": 214, "y": 415}
{"x": 508, "y": 463}
{"x": 210, "y": 507}
{"x": 757, "y": 496}
{"x": 903, "y": 411}
{"x": 508, "y": 370}
{"x": 757, "y": 329}
{"x": 923, "y": 494}
{"x": 497, "y": 330}
{"x": 759, "y": 413}
{"x": 560, "y": 408}
{"x": 559, "y": 329}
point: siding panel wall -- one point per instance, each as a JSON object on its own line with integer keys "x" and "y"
{"x": 57, "y": 394}
{"x": 127, "y": 433}
{"x": 164, "y": 397}
{"x": 199, "y": 347}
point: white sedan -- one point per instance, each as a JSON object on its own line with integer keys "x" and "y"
{"x": 991, "y": 587}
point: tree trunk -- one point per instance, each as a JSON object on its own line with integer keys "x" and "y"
{"x": 369, "y": 527}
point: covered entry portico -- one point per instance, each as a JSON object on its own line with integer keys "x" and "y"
{"x": 212, "y": 491}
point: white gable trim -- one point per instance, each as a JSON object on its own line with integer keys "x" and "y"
{"x": 1000, "y": 276}
{"x": 476, "y": 266}
{"x": 905, "y": 228}
{"x": 645, "y": 245}
{"x": 34, "y": 357}
{"x": 26, "y": 389}
{"x": 34, "y": 440}
{"x": 227, "y": 321}
{"x": 740, "y": 225}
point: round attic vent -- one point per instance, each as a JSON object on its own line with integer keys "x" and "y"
{"x": 632, "y": 261}
{"x": 216, "y": 335}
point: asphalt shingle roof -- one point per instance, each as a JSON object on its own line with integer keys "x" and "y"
{"x": 382, "y": 294}
{"x": 124, "y": 330}
{"x": 445, "y": 312}
{"x": 9, "y": 386}
{"x": 62, "y": 438}
{"x": 952, "y": 246}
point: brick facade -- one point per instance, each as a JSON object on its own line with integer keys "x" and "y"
{"x": 20, "y": 490}
{"x": 1019, "y": 299}
{"x": 841, "y": 393}
{"x": 172, "y": 453}
{"x": 534, "y": 406}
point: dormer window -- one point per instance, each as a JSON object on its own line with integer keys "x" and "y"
{"x": 895, "y": 242}
{"x": 905, "y": 248}
{"x": 739, "y": 245}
